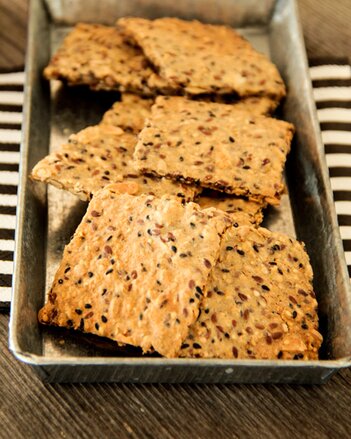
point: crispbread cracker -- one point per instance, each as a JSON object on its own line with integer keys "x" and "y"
{"x": 260, "y": 301}
{"x": 98, "y": 56}
{"x": 100, "y": 155}
{"x": 135, "y": 270}
{"x": 204, "y": 58}
{"x": 255, "y": 105}
{"x": 243, "y": 212}
{"x": 129, "y": 114}
{"x": 216, "y": 146}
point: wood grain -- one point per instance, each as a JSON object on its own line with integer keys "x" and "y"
{"x": 31, "y": 409}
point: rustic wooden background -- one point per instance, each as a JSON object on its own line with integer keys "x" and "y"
{"x": 31, "y": 409}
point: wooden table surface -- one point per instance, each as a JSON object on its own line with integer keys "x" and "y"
{"x": 32, "y": 409}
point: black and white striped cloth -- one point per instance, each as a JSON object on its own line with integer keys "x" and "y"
{"x": 332, "y": 92}
{"x": 11, "y": 100}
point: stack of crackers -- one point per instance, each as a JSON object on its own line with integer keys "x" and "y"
{"x": 169, "y": 256}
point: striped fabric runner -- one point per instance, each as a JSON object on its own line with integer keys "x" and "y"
{"x": 332, "y": 92}
{"x": 11, "y": 100}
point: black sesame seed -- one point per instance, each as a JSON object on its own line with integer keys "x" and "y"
{"x": 240, "y": 252}
{"x": 149, "y": 232}
{"x": 109, "y": 271}
{"x": 78, "y": 311}
{"x": 103, "y": 319}
{"x": 255, "y": 248}
{"x": 104, "y": 291}
{"x": 192, "y": 225}
{"x": 174, "y": 248}
{"x": 199, "y": 290}
{"x": 196, "y": 346}
{"x": 90, "y": 274}
{"x": 67, "y": 269}
{"x": 304, "y": 326}
{"x": 191, "y": 300}
{"x": 231, "y": 139}
{"x": 97, "y": 326}
{"x": 87, "y": 306}
{"x": 294, "y": 314}
{"x": 264, "y": 287}
{"x": 60, "y": 281}
{"x": 229, "y": 248}
{"x": 184, "y": 346}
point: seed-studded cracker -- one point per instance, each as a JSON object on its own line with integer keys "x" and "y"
{"x": 136, "y": 269}
{"x": 216, "y": 146}
{"x": 129, "y": 114}
{"x": 204, "y": 58}
{"x": 100, "y": 155}
{"x": 255, "y": 105}
{"x": 260, "y": 301}
{"x": 98, "y": 56}
{"x": 243, "y": 212}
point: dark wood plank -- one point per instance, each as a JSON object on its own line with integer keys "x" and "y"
{"x": 13, "y": 33}
{"x": 326, "y": 27}
{"x": 31, "y": 409}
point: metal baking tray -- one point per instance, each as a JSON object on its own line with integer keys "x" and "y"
{"x": 47, "y": 219}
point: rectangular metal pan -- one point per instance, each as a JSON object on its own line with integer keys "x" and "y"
{"x": 47, "y": 218}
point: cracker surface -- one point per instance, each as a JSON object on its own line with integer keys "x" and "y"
{"x": 243, "y": 212}
{"x": 135, "y": 270}
{"x": 216, "y": 146}
{"x": 98, "y": 56}
{"x": 100, "y": 155}
{"x": 129, "y": 114}
{"x": 204, "y": 58}
{"x": 260, "y": 302}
